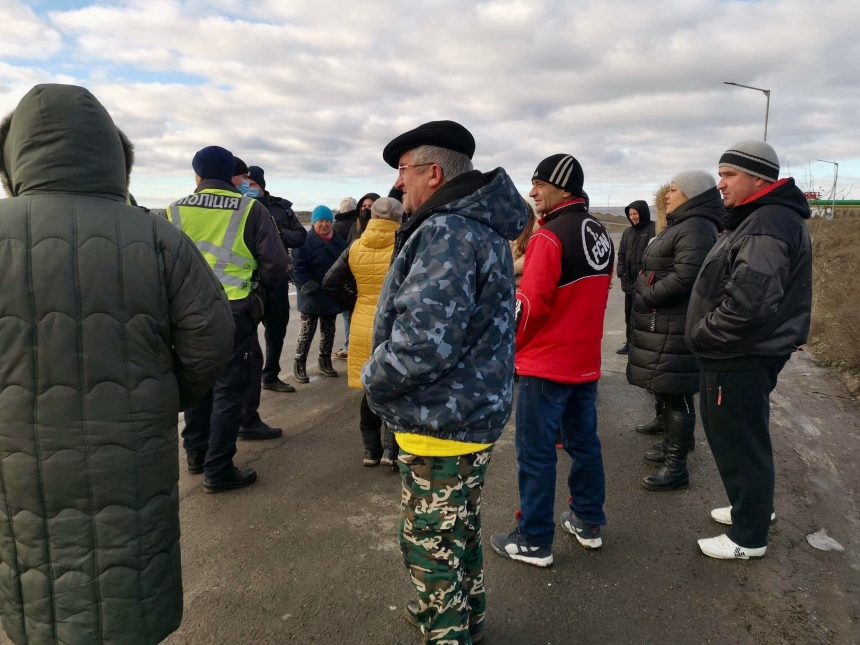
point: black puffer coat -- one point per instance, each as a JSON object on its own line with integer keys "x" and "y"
{"x": 660, "y": 360}
{"x": 753, "y": 300}
{"x": 634, "y": 241}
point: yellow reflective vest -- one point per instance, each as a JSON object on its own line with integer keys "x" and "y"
{"x": 215, "y": 221}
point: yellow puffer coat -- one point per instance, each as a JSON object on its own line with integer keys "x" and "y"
{"x": 369, "y": 259}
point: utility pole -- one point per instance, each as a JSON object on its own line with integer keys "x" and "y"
{"x": 835, "y": 177}
{"x": 767, "y": 108}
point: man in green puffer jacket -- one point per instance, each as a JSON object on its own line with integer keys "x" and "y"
{"x": 110, "y": 323}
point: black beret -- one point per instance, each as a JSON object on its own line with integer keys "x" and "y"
{"x": 442, "y": 134}
{"x": 241, "y": 168}
{"x": 563, "y": 171}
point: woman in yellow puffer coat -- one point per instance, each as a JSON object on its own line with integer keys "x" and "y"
{"x": 355, "y": 281}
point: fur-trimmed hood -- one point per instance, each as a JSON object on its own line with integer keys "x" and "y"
{"x": 660, "y": 202}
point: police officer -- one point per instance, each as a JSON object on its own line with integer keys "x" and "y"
{"x": 240, "y": 242}
{"x": 276, "y": 312}
{"x": 277, "y": 315}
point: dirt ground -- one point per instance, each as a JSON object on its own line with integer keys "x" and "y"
{"x": 309, "y": 554}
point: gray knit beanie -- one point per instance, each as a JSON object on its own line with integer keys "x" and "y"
{"x": 387, "y": 208}
{"x": 756, "y": 158}
{"x": 694, "y": 182}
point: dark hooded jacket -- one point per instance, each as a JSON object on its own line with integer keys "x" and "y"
{"x": 660, "y": 360}
{"x": 361, "y": 220}
{"x": 443, "y": 339}
{"x": 343, "y": 222}
{"x": 753, "y": 298}
{"x": 633, "y": 243}
{"x": 110, "y": 322}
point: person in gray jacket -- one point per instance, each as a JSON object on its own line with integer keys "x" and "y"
{"x": 111, "y": 322}
{"x": 441, "y": 371}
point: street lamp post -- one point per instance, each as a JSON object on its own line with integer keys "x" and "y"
{"x": 835, "y": 178}
{"x": 766, "y": 93}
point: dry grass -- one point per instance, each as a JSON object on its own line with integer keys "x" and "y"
{"x": 835, "y": 333}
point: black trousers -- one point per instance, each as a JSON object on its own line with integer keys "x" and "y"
{"x": 628, "y": 308}
{"x": 676, "y": 402}
{"x": 212, "y": 425}
{"x": 251, "y": 402}
{"x": 736, "y": 416}
{"x": 368, "y": 417}
{"x": 275, "y": 320}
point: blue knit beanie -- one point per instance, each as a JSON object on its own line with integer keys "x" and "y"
{"x": 321, "y": 212}
{"x": 214, "y": 162}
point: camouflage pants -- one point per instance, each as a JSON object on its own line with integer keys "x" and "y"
{"x": 440, "y": 538}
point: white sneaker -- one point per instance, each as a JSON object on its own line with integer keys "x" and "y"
{"x": 724, "y": 516}
{"x": 722, "y": 548}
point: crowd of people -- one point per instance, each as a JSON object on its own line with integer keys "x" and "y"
{"x": 114, "y": 318}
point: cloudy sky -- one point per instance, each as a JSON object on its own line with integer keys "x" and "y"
{"x": 312, "y": 91}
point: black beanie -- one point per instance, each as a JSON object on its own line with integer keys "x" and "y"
{"x": 257, "y": 174}
{"x": 241, "y": 168}
{"x": 563, "y": 171}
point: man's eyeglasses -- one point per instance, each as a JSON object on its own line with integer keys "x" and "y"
{"x": 415, "y": 165}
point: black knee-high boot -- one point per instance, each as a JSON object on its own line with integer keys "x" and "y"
{"x": 656, "y": 426}
{"x": 372, "y": 444}
{"x": 389, "y": 443}
{"x": 680, "y": 427}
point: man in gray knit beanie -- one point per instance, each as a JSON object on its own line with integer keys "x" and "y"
{"x": 749, "y": 312}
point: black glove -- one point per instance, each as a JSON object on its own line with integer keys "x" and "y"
{"x": 309, "y": 287}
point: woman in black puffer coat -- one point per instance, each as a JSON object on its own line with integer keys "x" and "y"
{"x": 660, "y": 361}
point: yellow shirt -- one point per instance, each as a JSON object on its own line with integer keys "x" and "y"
{"x": 424, "y": 446}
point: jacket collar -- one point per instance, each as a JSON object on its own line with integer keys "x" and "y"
{"x": 573, "y": 205}
{"x": 215, "y": 184}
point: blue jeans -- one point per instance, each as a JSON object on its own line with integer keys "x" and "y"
{"x": 345, "y": 315}
{"x": 544, "y": 407}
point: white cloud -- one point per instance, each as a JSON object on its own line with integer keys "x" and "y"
{"x": 25, "y": 35}
{"x": 313, "y": 91}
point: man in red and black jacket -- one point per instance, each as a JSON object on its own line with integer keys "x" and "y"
{"x": 560, "y": 309}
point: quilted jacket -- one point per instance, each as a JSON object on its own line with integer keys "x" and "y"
{"x": 110, "y": 321}
{"x": 443, "y": 336}
{"x": 362, "y": 268}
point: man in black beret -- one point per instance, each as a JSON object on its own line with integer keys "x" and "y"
{"x": 441, "y": 372}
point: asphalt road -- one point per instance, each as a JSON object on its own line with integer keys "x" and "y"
{"x": 309, "y": 554}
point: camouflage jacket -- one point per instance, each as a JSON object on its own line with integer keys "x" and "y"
{"x": 443, "y": 338}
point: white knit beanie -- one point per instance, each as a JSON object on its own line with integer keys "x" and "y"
{"x": 694, "y": 182}
{"x": 347, "y": 204}
{"x": 387, "y": 208}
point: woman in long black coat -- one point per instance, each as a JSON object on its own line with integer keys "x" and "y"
{"x": 310, "y": 264}
{"x": 660, "y": 361}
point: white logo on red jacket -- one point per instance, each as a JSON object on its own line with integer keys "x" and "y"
{"x": 596, "y": 244}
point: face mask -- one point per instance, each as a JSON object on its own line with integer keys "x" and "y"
{"x": 253, "y": 193}
{"x": 244, "y": 186}
{"x": 366, "y": 213}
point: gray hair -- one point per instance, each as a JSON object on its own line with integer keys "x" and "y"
{"x": 452, "y": 163}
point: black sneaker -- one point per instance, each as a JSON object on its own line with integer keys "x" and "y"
{"x": 260, "y": 431}
{"x": 514, "y": 547}
{"x": 588, "y": 535}
{"x": 625, "y": 349}
{"x": 277, "y": 386}
{"x": 476, "y": 632}
{"x": 231, "y": 480}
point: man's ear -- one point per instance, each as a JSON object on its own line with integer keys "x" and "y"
{"x": 436, "y": 178}
{"x": 566, "y": 195}
{"x": 5, "y": 126}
